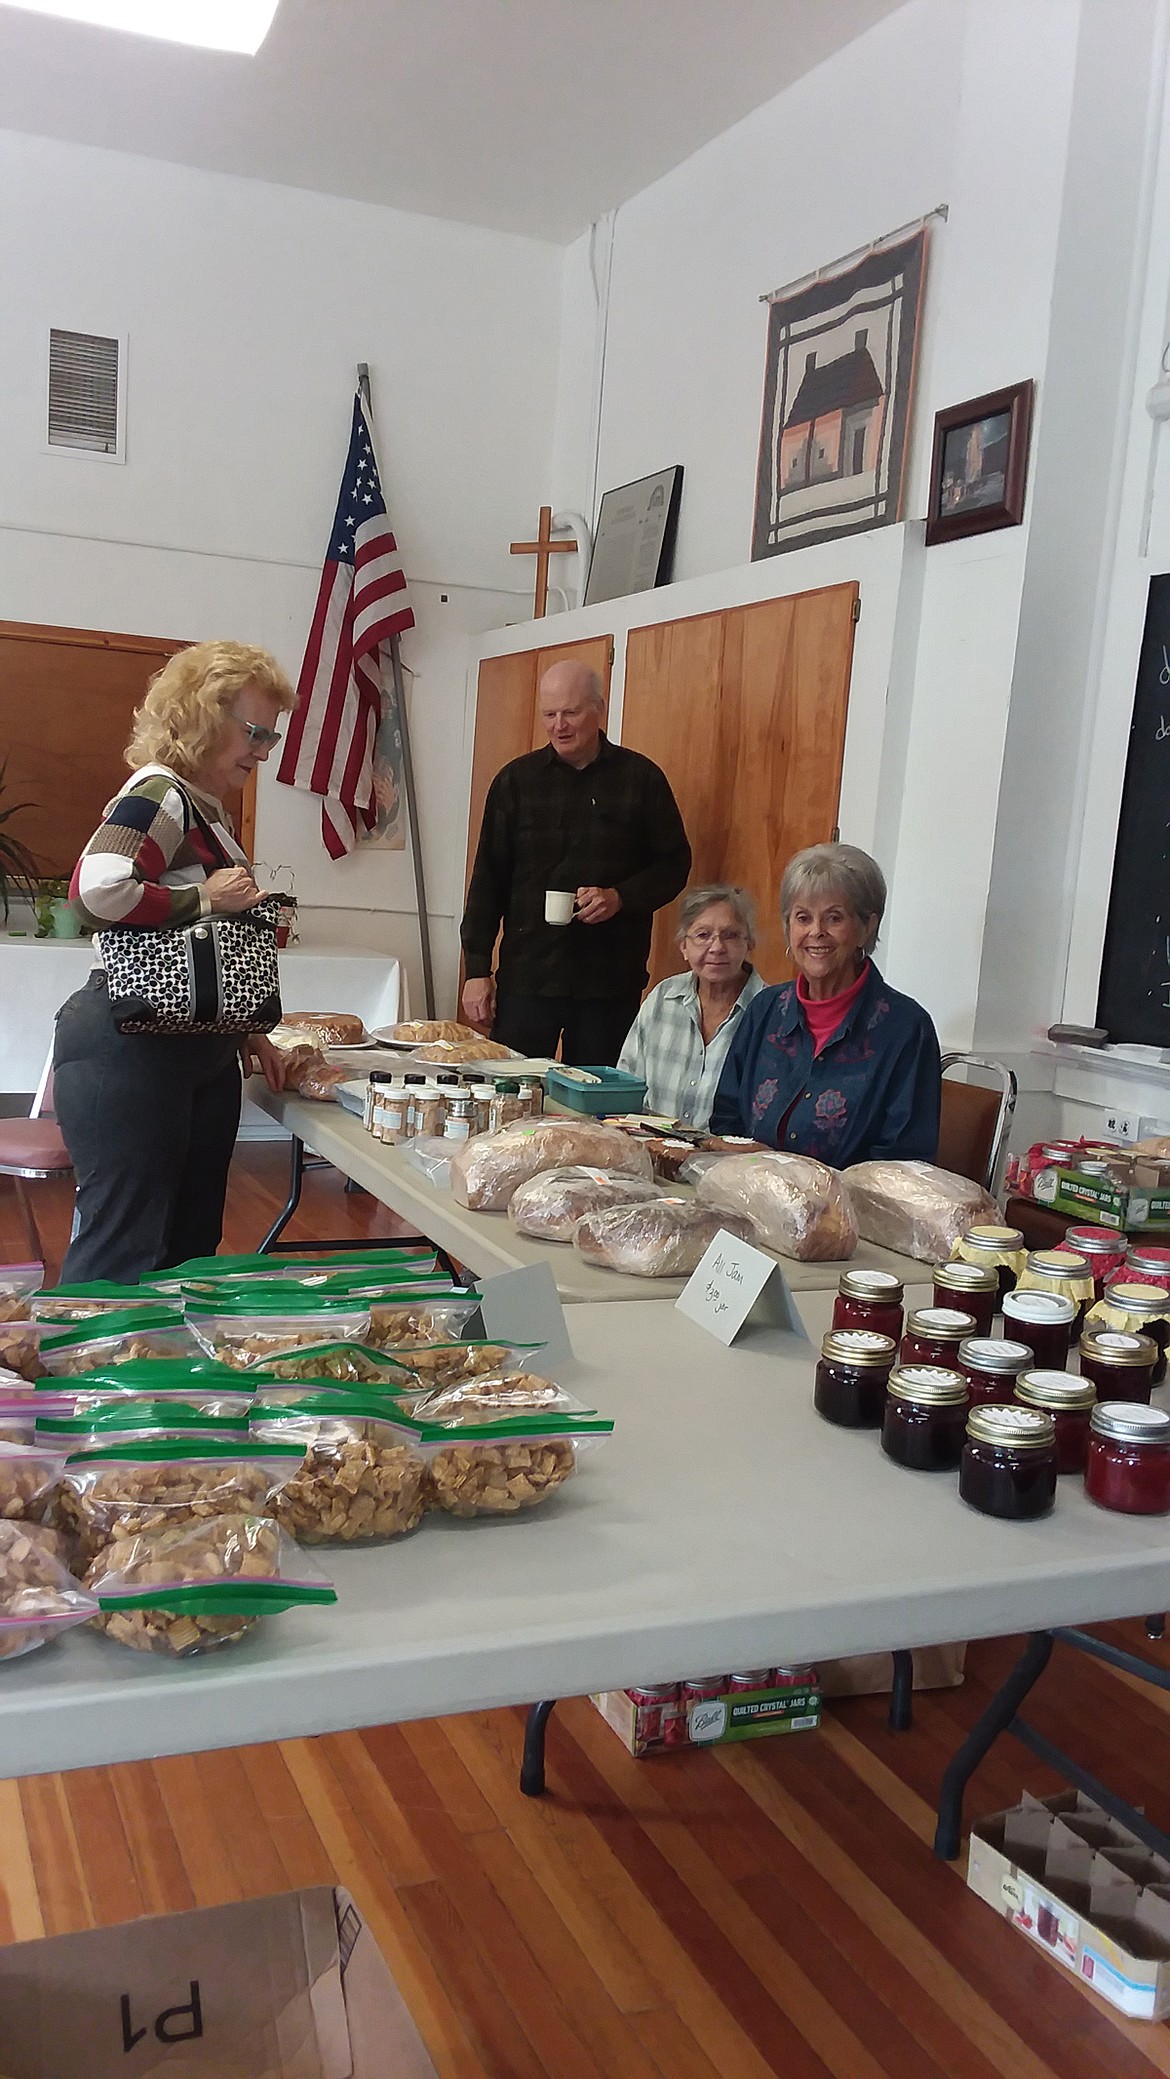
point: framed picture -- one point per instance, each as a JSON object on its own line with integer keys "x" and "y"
{"x": 633, "y": 549}
{"x": 838, "y": 387}
{"x": 979, "y": 464}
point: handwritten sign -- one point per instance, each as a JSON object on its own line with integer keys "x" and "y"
{"x": 736, "y": 1283}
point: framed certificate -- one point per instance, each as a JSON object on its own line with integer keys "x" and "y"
{"x": 634, "y": 545}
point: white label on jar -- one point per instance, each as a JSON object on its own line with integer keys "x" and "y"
{"x": 456, "y": 1129}
{"x": 939, "y": 1317}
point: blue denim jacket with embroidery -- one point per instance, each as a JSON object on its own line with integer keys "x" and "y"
{"x": 874, "y": 1090}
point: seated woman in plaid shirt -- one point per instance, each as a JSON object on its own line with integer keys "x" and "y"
{"x": 680, "y": 1038}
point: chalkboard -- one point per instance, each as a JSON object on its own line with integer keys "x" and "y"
{"x": 1134, "y": 1003}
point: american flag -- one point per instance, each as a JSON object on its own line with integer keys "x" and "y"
{"x": 362, "y": 601}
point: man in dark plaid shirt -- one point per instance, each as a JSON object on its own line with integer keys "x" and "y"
{"x": 586, "y": 816}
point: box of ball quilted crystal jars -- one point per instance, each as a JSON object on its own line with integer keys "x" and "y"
{"x": 710, "y": 1710}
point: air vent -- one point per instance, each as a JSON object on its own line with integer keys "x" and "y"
{"x": 83, "y": 392}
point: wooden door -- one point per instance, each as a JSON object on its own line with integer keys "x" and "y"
{"x": 745, "y": 712}
{"x": 67, "y": 696}
{"x": 507, "y": 719}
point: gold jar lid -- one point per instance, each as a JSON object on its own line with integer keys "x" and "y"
{"x": 940, "y": 1324}
{"x": 1058, "y": 1263}
{"x": 859, "y": 1347}
{"x": 881, "y": 1287}
{"x": 1059, "y": 1392}
{"x": 1117, "y": 1346}
{"x": 995, "y": 1238}
{"x": 1012, "y": 1428}
{"x": 928, "y": 1385}
{"x": 993, "y": 1353}
{"x": 966, "y": 1277}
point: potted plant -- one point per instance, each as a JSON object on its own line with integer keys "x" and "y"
{"x": 18, "y": 868}
{"x": 54, "y": 913}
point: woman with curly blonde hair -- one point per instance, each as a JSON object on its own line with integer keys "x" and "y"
{"x": 150, "y": 1120}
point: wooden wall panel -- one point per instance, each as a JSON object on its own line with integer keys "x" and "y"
{"x": 66, "y": 700}
{"x": 745, "y": 712}
{"x": 507, "y": 721}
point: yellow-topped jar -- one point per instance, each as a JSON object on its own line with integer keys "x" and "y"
{"x": 1063, "y": 1271}
{"x": 1001, "y": 1248}
{"x": 1136, "y": 1308}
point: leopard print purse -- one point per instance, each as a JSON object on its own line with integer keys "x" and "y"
{"x": 219, "y": 974}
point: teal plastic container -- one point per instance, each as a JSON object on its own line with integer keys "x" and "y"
{"x": 616, "y": 1092}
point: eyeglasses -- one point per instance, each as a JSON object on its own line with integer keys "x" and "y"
{"x": 259, "y": 739}
{"x": 717, "y": 938}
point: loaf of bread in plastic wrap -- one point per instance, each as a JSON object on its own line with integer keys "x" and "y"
{"x": 491, "y": 1166}
{"x": 550, "y": 1205}
{"x": 915, "y": 1206}
{"x": 664, "y": 1238}
{"x": 793, "y": 1203}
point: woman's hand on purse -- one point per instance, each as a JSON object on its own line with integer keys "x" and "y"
{"x": 258, "y": 1057}
{"x": 231, "y": 889}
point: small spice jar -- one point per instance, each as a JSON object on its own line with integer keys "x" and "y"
{"x": 392, "y": 1113}
{"x": 1129, "y": 1459}
{"x": 1070, "y": 1402}
{"x": 427, "y": 1107}
{"x": 851, "y": 1378}
{"x": 869, "y": 1299}
{"x": 374, "y": 1082}
{"x": 1119, "y": 1363}
{"x": 925, "y": 1417}
{"x": 970, "y": 1286}
{"x": 933, "y": 1335}
{"x": 1061, "y": 1271}
{"x": 459, "y": 1116}
{"x": 532, "y": 1096}
{"x": 1043, "y": 1320}
{"x": 1008, "y": 1467}
{"x": 998, "y": 1248}
{"x": 1104, "y": 1249}
{"x": 483, "y": 1094}
{"x": 991, "y": 1365}
{"x": 505, "y": 1105}
{"x": 1138, "y": 1309}
{"x": 1148, "y": 1263}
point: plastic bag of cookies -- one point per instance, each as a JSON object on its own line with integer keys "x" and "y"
{"x": 38, "y": 1596}
{"x": 362, "y": 1477}
{"x": 188, "y": 1587}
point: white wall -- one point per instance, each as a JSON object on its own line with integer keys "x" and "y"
{"x": 247, "y": 307}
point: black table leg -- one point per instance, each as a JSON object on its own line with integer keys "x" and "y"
{"x": 982, "y": 1736}
{"x": 902, "y": 1692}
{"x": 532, "y": 1766}
{"x": 1156, "y": 1627}
{"x": 296, "y": 1177}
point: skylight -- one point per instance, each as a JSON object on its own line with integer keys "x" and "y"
{"x": 218, "y": 25}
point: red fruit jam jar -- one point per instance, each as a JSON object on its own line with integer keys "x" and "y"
{"x": 1144, "y": 1260}
{"x": 1070, "y": 1402}
{"x": 1129, "y": 1459}
{"x": 999, "y": 1248}
{"x": 1119, "y": 1362}
{"x": 869, "y": 1299}
{"x": 933, "y": 1335}
{"x": 1043, "y": 1320}
{"x": 991, "y": 1365}
{"x": 1008, "y": 1467}
{"x": 926, "y": 1417}
{"x": 970, "y": 1287}
{"x": 1140, "y": 1309}
{"x": 851, "y": 1378}
{"x": 1104, "y": 1249}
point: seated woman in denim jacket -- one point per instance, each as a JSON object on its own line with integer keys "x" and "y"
{"x": 835, "y": 1064}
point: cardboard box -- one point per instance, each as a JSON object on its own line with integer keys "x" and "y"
{"x": 1086, "y": 1890}
{"x": 1139, "y": 1200}
{"x": 744, "y": 1714}
{"x": 292, "y": 1987}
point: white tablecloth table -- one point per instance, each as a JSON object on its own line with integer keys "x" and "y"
{"x": 723, "y": 1525}
{"x": 36, "y": 976}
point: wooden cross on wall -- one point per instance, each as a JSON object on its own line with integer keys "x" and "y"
{"x": 542, "y": 548}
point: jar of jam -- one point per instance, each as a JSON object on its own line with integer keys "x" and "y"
{"x": 851, "y": 1378}
{"x": 925, "y": 1418}
{"x": 991, "y": 1365}
{"x": 1008, "y": 1467}
{"x": 1119, "y": 1363}
{"x": 1043, "y": 1320}
{"x": 972, "y": 1288}
{"x": 1061, "y": 1271}
{"x": 1104, "y": 1249}
{"x": 1070, "y": 1402}
{"x": 1149, "y": 1264}
{"x": 1129, "y": 1459}
{"x": 997, "y": 1248}
{"x": 933, "y": 1335}
{"x": 1139, "y": 1309}
{"x": 869, "y": 1299}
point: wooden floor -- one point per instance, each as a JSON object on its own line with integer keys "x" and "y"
{"x": 770, "y": 1909}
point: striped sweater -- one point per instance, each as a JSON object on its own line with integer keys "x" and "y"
{"x": 148, "y": 860}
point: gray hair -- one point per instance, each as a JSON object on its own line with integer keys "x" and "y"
{"x": 843, "y": 870}
{"x": 696, "y": 900}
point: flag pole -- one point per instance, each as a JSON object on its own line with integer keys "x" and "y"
{"x": 394, "y": 646}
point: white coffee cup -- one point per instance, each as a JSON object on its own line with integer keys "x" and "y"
{"x": 559, "y": 904}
